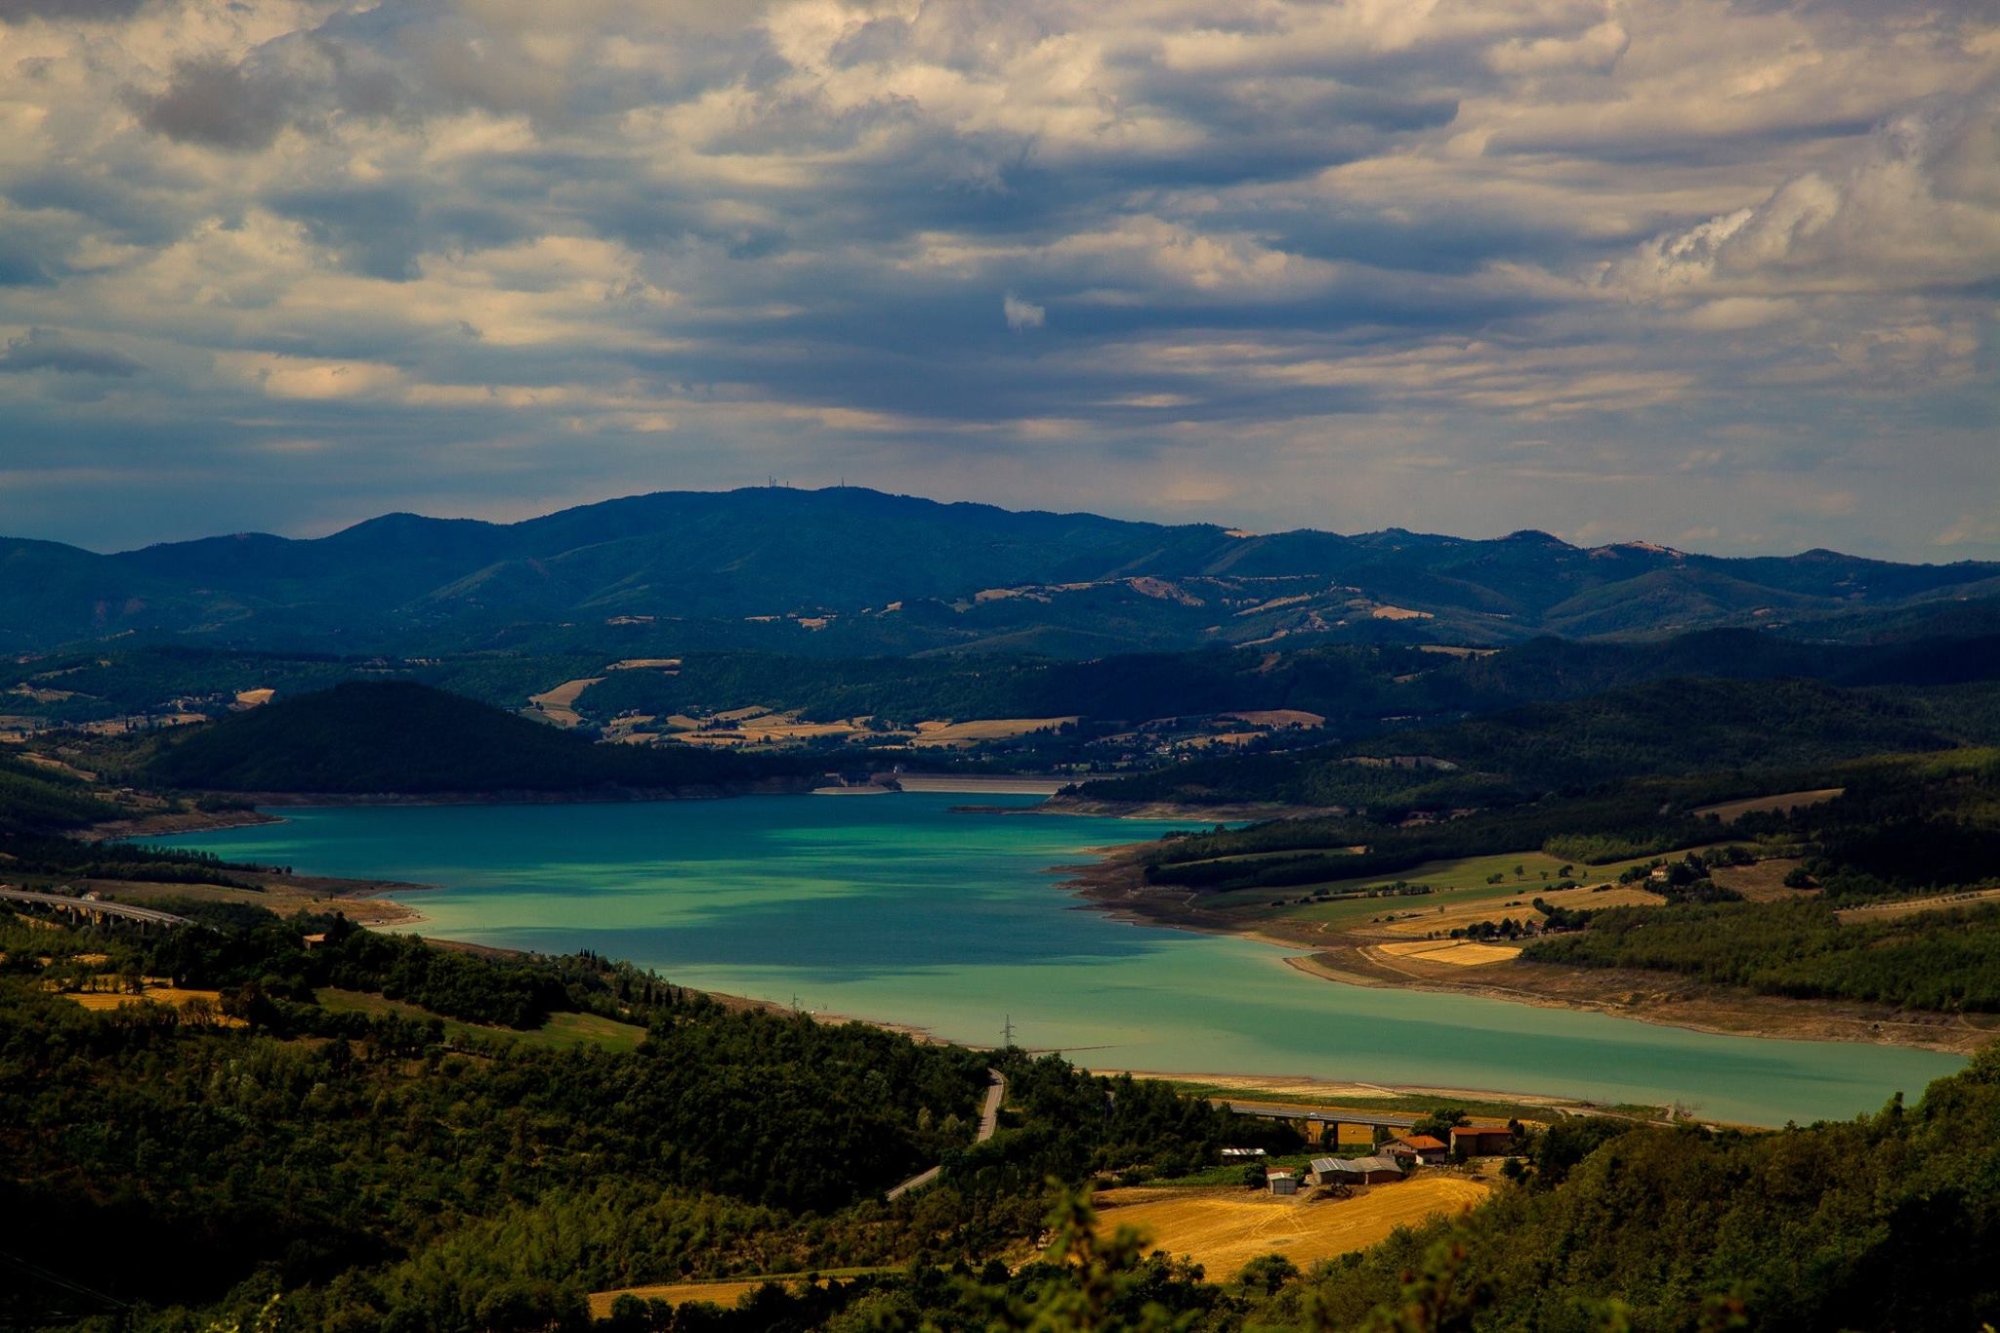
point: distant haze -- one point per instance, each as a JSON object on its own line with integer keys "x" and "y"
{"x": 1718, "y": 274}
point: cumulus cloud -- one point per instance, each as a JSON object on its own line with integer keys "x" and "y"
{"x": 1332, "y": 263}
{"x": 1022, "y": 314}
{"x": 1920, "y": 205}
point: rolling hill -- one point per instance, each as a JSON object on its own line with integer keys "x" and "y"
{"x": 847, "y": 571}
{"x": 366, "y": 737}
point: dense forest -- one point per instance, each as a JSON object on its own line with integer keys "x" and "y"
{"x": 321, "y": 1170}
{"x": 1359, "y": 689}
{"x": 399, "y": 736}
{"x": 1673, "y": 727}
{"x": 1947, "y": 961}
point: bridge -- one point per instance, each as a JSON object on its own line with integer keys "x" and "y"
{"x": 1323, "y": 1119}
{"x": 93, "y": 910}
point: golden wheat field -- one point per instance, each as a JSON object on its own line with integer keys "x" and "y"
{"x": 1224, "y": 1229}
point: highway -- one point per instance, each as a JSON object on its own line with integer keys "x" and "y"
{"x": 989, "y": 1120}
{"x": 92, "y": 908}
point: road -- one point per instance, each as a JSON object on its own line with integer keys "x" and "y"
{"x": 92, "y": 908}
{"x": 989, "y": 1120}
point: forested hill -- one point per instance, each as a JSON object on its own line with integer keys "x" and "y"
{"x": 398, "y": 736}
{"x": 852, "y": 571}
{"x": 1667, "y": 727}
{"x": 36, "y": 800}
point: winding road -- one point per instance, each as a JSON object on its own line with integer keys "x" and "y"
{"x": 989, "y": 1120}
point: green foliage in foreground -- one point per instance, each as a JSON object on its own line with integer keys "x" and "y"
{"x": 333, "y": 1173}
{"x": 379, "y": 1176}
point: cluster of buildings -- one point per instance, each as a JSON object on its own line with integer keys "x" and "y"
{"x": 1395, "y": 1158}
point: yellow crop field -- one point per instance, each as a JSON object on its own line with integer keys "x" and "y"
{"x": 1224, "y": 1229}
{"x": 101, "y": 1001}
{"x": 724, "y": 1294}
{"x": 1459, "y": 953}
{"x": 985, "y": 729}
{"x": 559, "y": 704}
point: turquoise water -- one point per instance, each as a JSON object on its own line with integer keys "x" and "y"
{"x": 896, "y": 909}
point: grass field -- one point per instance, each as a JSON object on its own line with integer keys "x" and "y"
{"x": 1462, "y": 892}
{"x": 562, "y": 1030}
{"x": 1731, "y": 811}
{"x": 1763, "y": 882}
{"x": 1895, "y": 911}
{"x": 283, "y": 894}
{"x": 1224, "y": 1229}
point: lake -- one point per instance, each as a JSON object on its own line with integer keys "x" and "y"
{"x": 895, "y": 908}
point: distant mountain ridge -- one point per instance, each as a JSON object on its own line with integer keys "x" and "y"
{"x": 871, "y": 572}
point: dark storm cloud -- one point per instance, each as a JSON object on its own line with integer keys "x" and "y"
{"x": 213, "y": 100}
{"x": 45, "y": 349}
{"x": 88, "y": 11}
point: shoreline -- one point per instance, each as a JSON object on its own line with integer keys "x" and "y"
{"x": 1307, "y": 1088}
{"x": 170, "y": 825}
{"x": 1112, "y": 885}
{"x": 306, "y": 800}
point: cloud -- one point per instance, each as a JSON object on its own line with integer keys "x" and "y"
{"x": 1449, "y": 264}
{"x": 212, "y": 100}
{"x": 1918, "y": 205}
{"x": 45, "y": 349}
{"x": 20, "y": 11}
{"x": 1022, "y": 314}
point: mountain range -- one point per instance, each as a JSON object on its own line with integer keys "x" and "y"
{"x": 847, "y": 571}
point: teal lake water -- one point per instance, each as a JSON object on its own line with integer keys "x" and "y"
{"x": 896, "y": 909}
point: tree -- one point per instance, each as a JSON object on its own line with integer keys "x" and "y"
{"x": 1268, "y": 1272}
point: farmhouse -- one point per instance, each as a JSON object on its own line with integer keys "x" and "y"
{"x": 1417, "y": 1148}
{"x": 1481, "y": 1140}
{"x": 1355, "y": 1170}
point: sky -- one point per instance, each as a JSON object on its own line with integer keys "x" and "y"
{"x": 1718, "y": 275}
